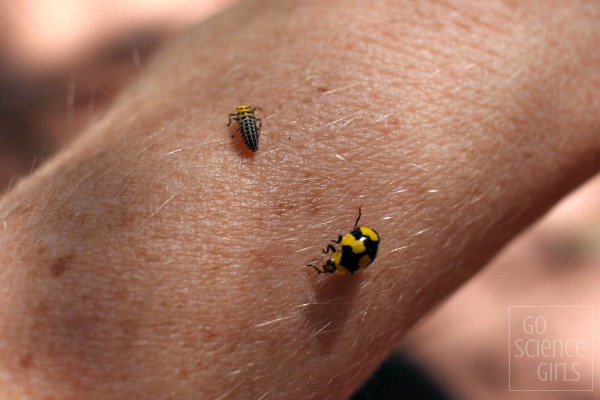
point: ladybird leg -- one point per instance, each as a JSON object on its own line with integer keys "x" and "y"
{"x": 358, "y": 219}
{"x": 329, "y": 248}
{"x": 315, "y": 268}
{"x": 338, "y": 241}
{"x": 256, "y": 108}
{"x": 259, "y": 123}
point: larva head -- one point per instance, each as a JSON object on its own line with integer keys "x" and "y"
{"x": 243, "y": 109}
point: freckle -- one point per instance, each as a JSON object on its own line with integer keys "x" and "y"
{"x": 24, "y": 209}
{"x": 26, "y": 361}
{"x": 125, "y": 219}
{"x": 60, "y": 265}
{"x": 183, "y": 373}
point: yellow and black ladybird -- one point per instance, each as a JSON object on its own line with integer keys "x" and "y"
{"x": 247, "y": 125}
{"x": 358, "y": 250}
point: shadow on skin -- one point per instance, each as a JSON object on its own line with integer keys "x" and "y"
{"x": 327, "y": 315}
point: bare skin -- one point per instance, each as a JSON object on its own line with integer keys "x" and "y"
{"x": 156, "y": 257}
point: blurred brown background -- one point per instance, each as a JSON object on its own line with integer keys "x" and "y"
{"x": 62, "y": 62}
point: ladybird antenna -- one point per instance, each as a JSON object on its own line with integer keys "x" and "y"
{"x": 359, "y": 214}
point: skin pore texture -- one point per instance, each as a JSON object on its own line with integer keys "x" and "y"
{"x": 156, "y": 257}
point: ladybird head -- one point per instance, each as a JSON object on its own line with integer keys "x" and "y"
{"x": 330, "y": 266}
{"x": 243, "y": 109}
